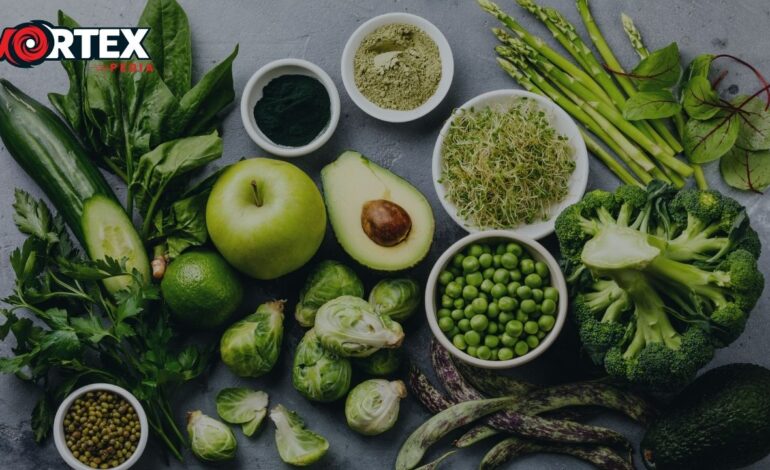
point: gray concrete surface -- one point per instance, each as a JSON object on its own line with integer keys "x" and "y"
{"x": 317, "y": 31}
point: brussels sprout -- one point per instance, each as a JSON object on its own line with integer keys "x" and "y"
{"x": 242, "y": 406}
{"x": 329, "y": 280}
{"x": 319, "y": 374}
{"x": 396, "y": 298}
{"x": 383, "y": 362}
{"x": 296, "y": 444}
{"x": 210, "y": 440}
{"x": 250, "y": 347}
{"x": 372, "y": 406}
{"x": 349, "y": 326}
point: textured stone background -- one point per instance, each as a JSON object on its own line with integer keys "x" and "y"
{"x": 317, "y": 30}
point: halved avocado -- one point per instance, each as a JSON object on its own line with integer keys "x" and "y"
{"x": 381, "y": 220}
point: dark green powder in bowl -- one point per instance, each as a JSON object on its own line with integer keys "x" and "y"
{"x": 293, "y": 110}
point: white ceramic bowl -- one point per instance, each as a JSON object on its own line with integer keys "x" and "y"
{"x": 561, "y": 122}
{"x": 539, "y": 253}
{"x": 252, "y": 92}
{"x": 392, "y": 115}
{"x": 58, "y": 426}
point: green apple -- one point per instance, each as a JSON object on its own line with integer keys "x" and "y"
{"x": 266, "y": 217}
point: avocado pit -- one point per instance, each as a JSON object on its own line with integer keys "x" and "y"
{"x": 385, "y": 222}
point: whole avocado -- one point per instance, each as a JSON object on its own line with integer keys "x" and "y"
{"x": 721, "y": 421}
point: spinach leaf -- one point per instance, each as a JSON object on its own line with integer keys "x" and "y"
{"x": 659, "y": 70}
{"x": 745, "y": 170}
{"x": 651, "y": 105}
{"x": 754, "y": 131}
{"x": 699, "y": 99}
{"x": 168, "y": 43}
{"x": 208, "y": 97}
{"x": 102, "y": 110}
{"x": 70, "y": 106}
{"x": 705, "y": 141}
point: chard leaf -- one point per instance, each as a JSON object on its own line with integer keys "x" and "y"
{"x": 651, "y": 105}
{"x": 168, "y": 43}
{"x": 700, "y": 100}
{"x": 700, "y": 66}
{"x": 705, "y": 141}
{"x": 208, "y": 97}
{"x": 659, "y": 70}
{"x": 754, "y": 131}
{"x": 169, "y": 161}
{"x": 745, "y": 170}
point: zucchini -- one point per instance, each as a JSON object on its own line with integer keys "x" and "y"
{"x": 52, "y": 156}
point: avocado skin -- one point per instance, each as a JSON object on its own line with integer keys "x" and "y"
{"x": 719, "y": 422}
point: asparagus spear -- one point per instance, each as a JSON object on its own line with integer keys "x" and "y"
{"x": 638, "y": 43}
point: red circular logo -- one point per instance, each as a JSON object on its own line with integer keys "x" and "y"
{"x": 30, "y": 44}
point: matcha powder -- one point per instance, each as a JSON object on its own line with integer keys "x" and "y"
{"x": 397, "y": 66}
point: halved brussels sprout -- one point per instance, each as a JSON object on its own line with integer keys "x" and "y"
{"x": 210, "y": 440}
{"x": 349, "y": 326}
{"x": 251, "y": 346}
{"x": 319, "y": 374}
{"x": 242, "y": 406}
{"x": 296, "y": 444}
{"x": 382, "y": 363}
{"x": 329, "y": 280}
{"x": 372, "y": 406}
{"x": 396, "y": 298}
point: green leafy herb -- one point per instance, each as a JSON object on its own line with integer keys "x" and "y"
{"x": 754, "y": 131}
{"x": 746, "y": 170}
{"x": 658, "y": 71}
{"x": 706, "y": 141}
{"x": 651, "y": 105}
{"x": 700, "y": 100}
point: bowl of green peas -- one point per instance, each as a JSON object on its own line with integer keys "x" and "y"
{"x": 496, "y": 300}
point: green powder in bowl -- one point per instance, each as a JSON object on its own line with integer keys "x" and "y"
{"x": 397, "y": 66}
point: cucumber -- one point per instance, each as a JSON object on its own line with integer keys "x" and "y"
{"x": 52, "y": 156}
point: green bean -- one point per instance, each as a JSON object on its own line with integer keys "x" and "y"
{"x": 601, "y": 457}
{"x": 434, "y": 465}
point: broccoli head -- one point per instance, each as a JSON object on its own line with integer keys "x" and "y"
{"x": 672, "y": 276}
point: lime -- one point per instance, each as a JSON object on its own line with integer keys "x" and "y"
{"x": 201, "y": 289}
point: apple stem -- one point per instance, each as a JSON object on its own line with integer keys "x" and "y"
{"x": 255, "y": 190}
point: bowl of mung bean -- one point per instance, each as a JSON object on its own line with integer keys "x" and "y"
{"x": 100, "y": 426}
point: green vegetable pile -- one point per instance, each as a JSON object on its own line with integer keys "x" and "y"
{"x": 661, "y": 278}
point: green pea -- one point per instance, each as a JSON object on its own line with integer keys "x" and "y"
{"x": 500, "y": 249}
{"x": 546, "y": 322}
{"x": 521, "y": 316}
{"x": 486, "y": 285}
{"x": 533, "y": 280}
{"x": 491, "y": 341}
{"x": 521, "y": 348}
{"x": 508, "y": 340}
{"x": 457, "y": 260}
{"x": 471, "y": 351}
{"x": 475, "y": 249}
{"x": 446, "y": 301}
{"x": 487, "y": 249}
{"x": 493, "y": 310}
{"x": 470, "y": 292}
{"x": 537, "y": 295}
{"x": 507, "y": 304}
{"x": 455, "y": 331}
{"x": 459, "y": 342}
{"x": 483, "y": 295}
{"x": 445, "y": 278}
{"x": 468, "y": 312}
{"x": 483, "y": 352}
{"x": 542, "y": 269}
{"x": 459, "y": 303}
{"x": 505, "y": 317}
{"x": 532, "y": 341}
{"x": 514, "y": 328}
{"x": 548, "y": 307}
{"x": 505, "y": 354}
{"x": 457, "y": 314}
{"x": 528, "y": 306}
{"x": 479, "y": 323}
{"x": 470, "y": 264}
{"x": 446, "y": 324}
{"x": 516, "y": 275}
{"x": 512, "y": 287}
{"x": 514, "y": 248}
{"x": 474, "y": 279}
{"x": 460, "y": 280}
{"x": 443, "y": 312}
{"x": 488, "y": 273}
{"x": 464, "y": 325}
{"x": 472, "y": 338}
{"x": 485, "y": 260}
{"x": 551, "y": 293}
{"x": 496, "y": 261}
{"x": 524, "y": 292}
{"x": 509, "y": 261}
{"x": 527, "y": 266}
{"x": 530, "y": 327}
{"x": 541, "y": 334}
{"x": 492, "y": 328}
{"x": 453, "y": 290}
{"x": 479, "y": 305}
{"x": 498, "y": 290}
{"x": 501, "y": 276}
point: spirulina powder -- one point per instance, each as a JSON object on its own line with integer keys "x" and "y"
{"x": 397, "y": 66}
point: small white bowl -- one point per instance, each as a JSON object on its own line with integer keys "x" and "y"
{"x": 58, "y": 426}
{"x": 539, "y": 253}
{"x": 252, "y": 93}
{"x": 392, "y": 115}
{"x": 563, "y": 125}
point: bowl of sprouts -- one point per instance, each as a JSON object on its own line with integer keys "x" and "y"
{"x": 509, "y": 160}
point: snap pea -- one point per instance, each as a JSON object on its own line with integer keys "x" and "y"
{"x": 601, "y": 457}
